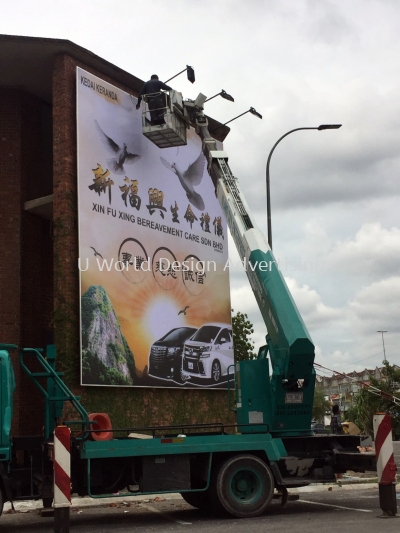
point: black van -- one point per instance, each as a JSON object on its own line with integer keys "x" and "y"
{"x": 165, "y": 359}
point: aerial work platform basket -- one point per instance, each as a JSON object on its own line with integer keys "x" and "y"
{"x": 164, "y": 120}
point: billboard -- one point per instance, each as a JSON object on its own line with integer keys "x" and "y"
{"x": 154, "y": 285}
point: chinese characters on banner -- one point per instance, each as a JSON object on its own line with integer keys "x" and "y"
{"x": 155, "y": 304}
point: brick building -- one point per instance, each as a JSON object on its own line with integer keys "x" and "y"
{"x": 39, "y": 285}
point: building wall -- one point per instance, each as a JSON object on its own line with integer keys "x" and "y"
{"x": 126, "y": 406}
{"x": 26, "y": 284}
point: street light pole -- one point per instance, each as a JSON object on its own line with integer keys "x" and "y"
{"x": 321, "y": 127}
{"x": 383, "y": 342}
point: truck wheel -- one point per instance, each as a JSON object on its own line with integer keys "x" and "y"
{"x": 197, "y": 499}
{"x": 244, "y": 486}
{"x": 216, "y": 371}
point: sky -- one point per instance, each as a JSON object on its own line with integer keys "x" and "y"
{"x": 335, "y": 195}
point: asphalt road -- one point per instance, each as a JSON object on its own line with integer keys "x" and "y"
{"x": 354, "y": 509}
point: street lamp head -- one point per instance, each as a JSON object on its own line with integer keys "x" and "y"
{"x": 227, "y": 96}
{"x": 329, "y": 126}
{"x": 190, "y": 74}
{"x": 251, "y": 110}
{"x": 254, "y": 112}
{"x": 224, "y": 94}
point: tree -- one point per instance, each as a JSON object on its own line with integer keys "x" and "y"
{"x": 242, "y": 344}
{"x": 320, "y": 406}
{"x": 366, "y": 405}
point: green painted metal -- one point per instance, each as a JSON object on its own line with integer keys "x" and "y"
{"x": 253, "y": 396}
{"x": 286, "y": 399}
{"x": 228, "y": 371}
{"x": 57, "y": 391}
{"x": 138, "y": 493}
{"x": 7, "y": 383}
{"x": 127, "y": 447}
{"x": 55, "y": 408}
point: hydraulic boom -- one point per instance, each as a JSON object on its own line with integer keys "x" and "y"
{"x": 282, "y": 402}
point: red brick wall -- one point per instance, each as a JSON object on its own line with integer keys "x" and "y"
{"x": 10, "y": 220}
{"x": 26, "y": 288}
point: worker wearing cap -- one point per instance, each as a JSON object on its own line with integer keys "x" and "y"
{"x": 156, "y": 101}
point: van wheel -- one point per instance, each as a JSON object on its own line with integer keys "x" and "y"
{"x": 216, "y": 371}
{"x": 244, "y": 486}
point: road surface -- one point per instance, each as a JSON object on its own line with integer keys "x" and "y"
{"x": 353, "y": 508}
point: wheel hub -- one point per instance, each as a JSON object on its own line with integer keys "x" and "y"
{"x": 246, "y": 486}
{"x": 242, "y": 485}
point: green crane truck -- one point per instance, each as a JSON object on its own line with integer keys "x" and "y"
{"x": 230, "y": 469}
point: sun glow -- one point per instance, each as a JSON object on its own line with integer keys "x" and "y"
{"x": 162, "y": 316}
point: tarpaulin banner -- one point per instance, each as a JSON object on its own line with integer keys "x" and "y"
{"x": 155, "y": 302}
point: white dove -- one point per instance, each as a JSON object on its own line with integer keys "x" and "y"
{"x": 190, "y": 177}
{"x": 121, "y": 154}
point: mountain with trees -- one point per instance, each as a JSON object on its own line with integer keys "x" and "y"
{"x": 106, "y": 356}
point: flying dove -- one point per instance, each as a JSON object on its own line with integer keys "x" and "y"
{"x": 190, "y": 177}
{"x": 121, "y": 154}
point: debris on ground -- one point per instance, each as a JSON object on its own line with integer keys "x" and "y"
{"x": 363, "y": 449}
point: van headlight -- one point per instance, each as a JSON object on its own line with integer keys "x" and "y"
{"x": 172, "y": 351}
{"x": 205, "y": 351}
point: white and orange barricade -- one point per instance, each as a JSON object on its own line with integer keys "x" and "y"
{"x": 386, "y": 466}
{"x": 62, "y": 478}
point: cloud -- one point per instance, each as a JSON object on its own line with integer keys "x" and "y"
{"x": 243, "y": 299}
{"x": 377, "y": 306}
{"x": 314, "y": 312}
{"x": 374, "y": 252}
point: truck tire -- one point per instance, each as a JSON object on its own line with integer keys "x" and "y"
{"x": 1, "y": 501}
{"x": 215, "y": 371}
{"x": 244, "y": 486}
{"x": 197, "y": 499}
